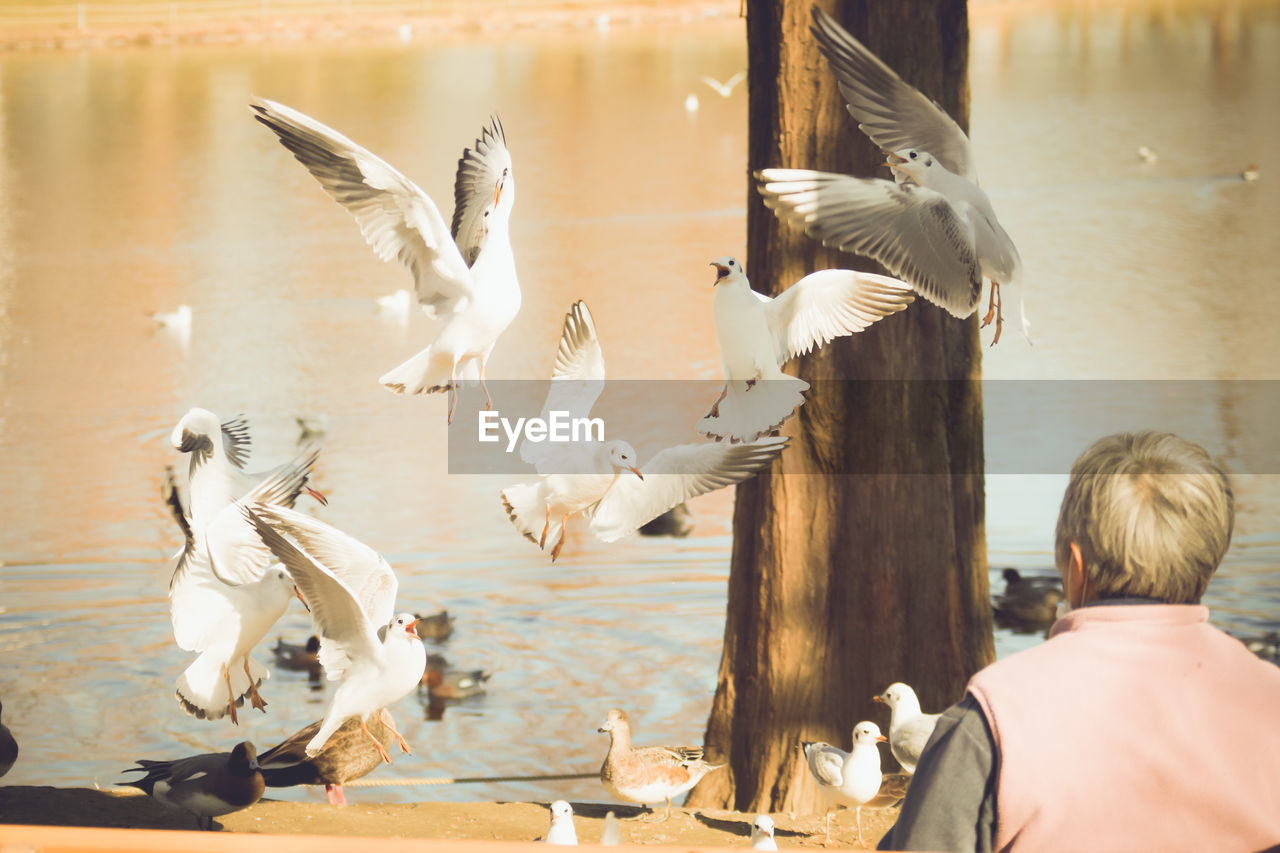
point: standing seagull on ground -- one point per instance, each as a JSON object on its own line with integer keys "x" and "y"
{"x": 758, "y": 334}
{"x": 935, "y": 227}
{"x": 649, "y": 774}
{"x": 909, "y": 728}
{"x": 595, "y": 477}
{"x": 762, "y": 833}
{"x": 351, "y": 592}
{"x": 464, "y": 274}
{"x": 848, "y": 779}
{"x": 561, "y": 831}
{"x": 207, "y": 786}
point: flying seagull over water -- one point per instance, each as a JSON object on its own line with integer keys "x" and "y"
{"x": 934, "y": 226}
{"x": 351, "y": 592}
{"x": 758, "y": 334}
{"x": 463, "y": 273}
{"x": 603, "y": 479}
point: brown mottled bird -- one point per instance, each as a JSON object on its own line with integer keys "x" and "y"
{"x": 649, "y": 774}
{"x": 347, "y": 755}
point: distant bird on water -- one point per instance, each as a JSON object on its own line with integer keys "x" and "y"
{"x": 207, "y": 786}
{"x": 649, "y": 774}
{"x": 463, "y": 273}
{"x": 934, "y": 227}
{"x": 1028, "y": 603}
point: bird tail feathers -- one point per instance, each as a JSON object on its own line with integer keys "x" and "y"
{"x": 750, "y": 410}
{"x": 202, "y": 688}
{"x": 527, "y": 510}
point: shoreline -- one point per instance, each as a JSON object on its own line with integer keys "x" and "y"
{"x": 421, "y": 821}
{"x": 253, "y": 23}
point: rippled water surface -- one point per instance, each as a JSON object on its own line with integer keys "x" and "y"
{"x": 135, "y": 181}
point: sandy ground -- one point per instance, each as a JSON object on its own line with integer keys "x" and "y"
{"x": 500, "y": 821}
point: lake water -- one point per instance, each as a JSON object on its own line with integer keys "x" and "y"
{"x": 135, "y": 181}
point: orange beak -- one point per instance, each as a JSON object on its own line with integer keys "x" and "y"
{"x": 721, "y": 272}
{"x": 298, "y": 593}
{"x": 878, "y": 699}
{"x": 411, "y": 629}
{"x": 497, "y": 193}
{"x": 882, "y": 739}
{"x": 634, "y": 470}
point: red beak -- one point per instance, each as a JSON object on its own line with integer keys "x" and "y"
{"x": 412, "y": 629}
{"x": 634, "y": 470}
{"x": 298, "y": 593}
{"x": 721, "y": 272}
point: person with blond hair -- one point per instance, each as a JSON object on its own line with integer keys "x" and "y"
{"x": 1137, "y": 725}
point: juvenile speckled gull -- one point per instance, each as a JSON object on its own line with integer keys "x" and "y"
{"x": 351, "y": 592}
{"x": 758, "y": 334}
{"x": 348, "y": 755}
{"x": 935, "y": 227}
{"x": 602, "y": 479}
{"x": 650, "y": 774}
{"x": 848, "y": 779}
{"x": 909, "y": 727}
{"x": 223, "y": 622}
{"x": 464, "y": 274}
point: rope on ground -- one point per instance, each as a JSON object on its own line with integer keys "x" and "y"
{"x": 442, "y": 780}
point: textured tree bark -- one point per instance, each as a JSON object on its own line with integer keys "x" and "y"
{"x": 842, "y": 583}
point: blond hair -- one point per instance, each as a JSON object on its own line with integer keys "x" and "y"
{"x": 1152, "y": 514}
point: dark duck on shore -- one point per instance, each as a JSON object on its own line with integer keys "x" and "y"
{"x": 207, "y": 786}
{"x": 1028, "y": 604}
{"x": 347, "y": 755}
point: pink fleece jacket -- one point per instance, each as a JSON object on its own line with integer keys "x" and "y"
{"x": 1136, "y": 727}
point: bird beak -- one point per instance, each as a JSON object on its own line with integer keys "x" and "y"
{"x": 634, "y": 470}
{"x": 298, "y": 593}
{"x": 497, "y": 193}
{"x": 879, "y": 699}
{"x": 318, "y": 496}
{"x": 412, "y": 629}
{"x": 721, "y": 272}
{"x": 601, "y": 730}
{"x": 894, "y": 159}
{"x": 882, "y": 739}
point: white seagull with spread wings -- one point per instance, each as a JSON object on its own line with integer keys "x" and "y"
{"x": 934, "y": 227}
{"x": 758, "y": 334}
{"x": 595, "y": 477}
{"x": 464, "y": 274}
{"x": 351, "y": 592}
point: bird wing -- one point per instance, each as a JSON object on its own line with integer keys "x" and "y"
{"x": 361, "y": 569}
{"x": 826, "y": 763}
{"x": 828, "y": 304}
{"x": 914, "y": 231}
{"x": 236, "y": 554}
{"x": 576, "y": 382}
{"x": 675, "y": 475}
{"x": 235, "y": 440}
{"x": 397, "y": 218}
{"x": 911, "y": 738}
{"x": 199, "y": 606}
{"x": 346, "y": 635}
{"x": 479, "y": 171}
{"x": 169, "y": 491}
{"x": 893, "y": 113}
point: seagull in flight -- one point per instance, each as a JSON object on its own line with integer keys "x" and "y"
{"x": 932, "y": 225}
{"x": 463, "y": 273}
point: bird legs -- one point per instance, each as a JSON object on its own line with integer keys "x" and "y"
{"x": 995, "y": 307}
{"x": 542, "y": 540}
{"x": 377, "y": 743}
{"x": 335, "y": 794}
{"x": 453, "y": 389}
{"x": 254, "y": 699}
{"x": 231, "y": 698}
{"x": 386, "y": 721}
{"x": 858, "y": 812}
{"x": 715, "y": 407}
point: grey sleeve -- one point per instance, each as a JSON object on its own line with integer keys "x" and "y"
{"x": 951, "y": 801}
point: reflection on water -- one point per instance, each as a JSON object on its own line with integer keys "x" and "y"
{"x": 135, "y": 181}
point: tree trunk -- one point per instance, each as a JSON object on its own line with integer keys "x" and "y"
{"x": 849, "y": 572}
